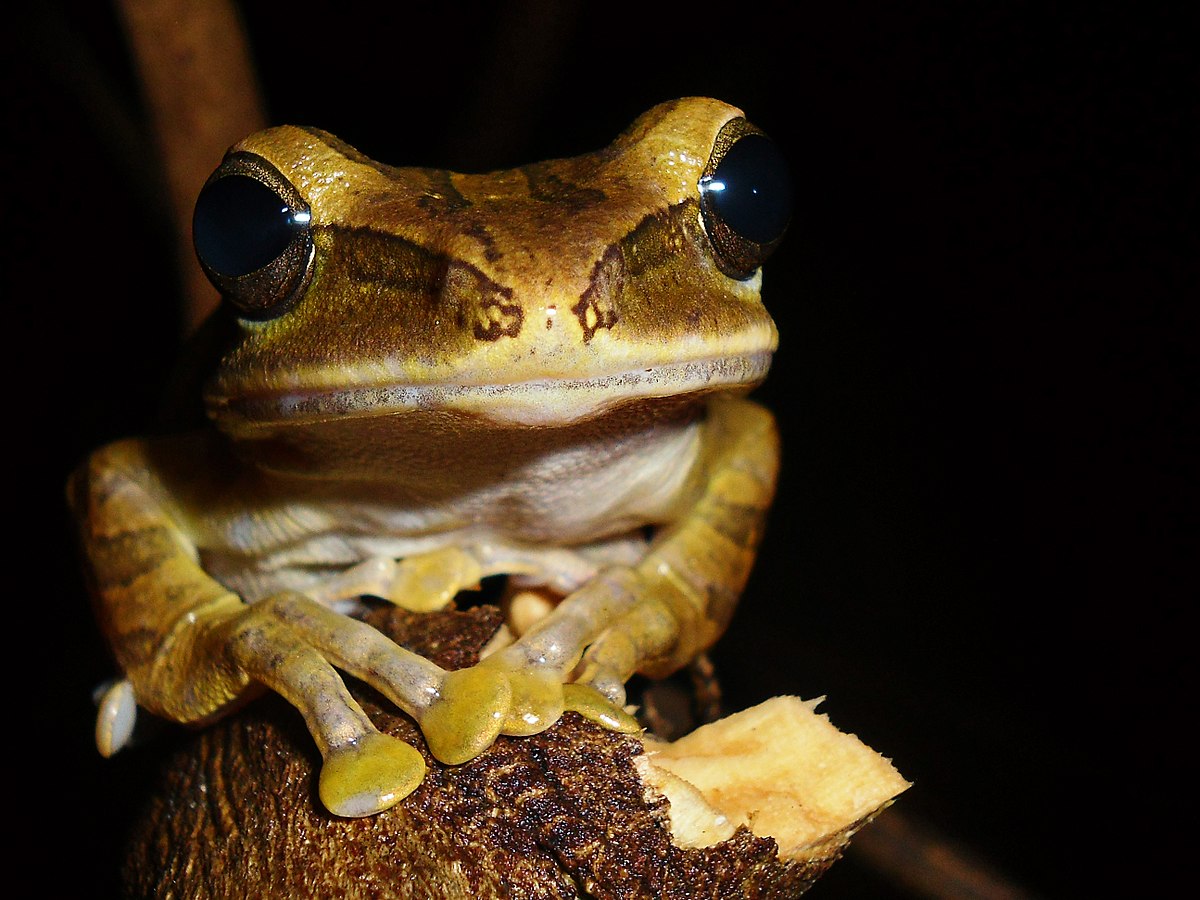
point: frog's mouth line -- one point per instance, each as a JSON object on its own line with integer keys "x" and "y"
{"x": 539, "y": 402}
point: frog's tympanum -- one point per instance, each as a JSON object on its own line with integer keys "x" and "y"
{"x": 437, "y": 378}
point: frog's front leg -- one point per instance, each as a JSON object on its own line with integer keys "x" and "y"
{"x": 691, "y": 581}
{"x": 655, "y": 616}
{"x": 191, "y": 649}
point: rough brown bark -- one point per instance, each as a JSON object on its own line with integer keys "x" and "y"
{"x": 199, "y": 85}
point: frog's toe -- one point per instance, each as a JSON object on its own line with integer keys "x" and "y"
{"x": 369, "y": 775}
{"x": 116, "y": 717}
{"x": 537, "y": 701}
{"x": 468, "y": 715}
{"x": 594, "y": 706}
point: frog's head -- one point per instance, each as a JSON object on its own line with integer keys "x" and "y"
{"x": 541, "y": 295}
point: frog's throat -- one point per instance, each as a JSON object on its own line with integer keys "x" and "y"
{"x": 536, "y": 403}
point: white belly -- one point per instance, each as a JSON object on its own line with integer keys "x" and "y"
{"x": 576, "y": 497}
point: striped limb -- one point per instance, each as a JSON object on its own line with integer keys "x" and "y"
{"x": 190, "y": 650}
{"x": 654, "y": 617}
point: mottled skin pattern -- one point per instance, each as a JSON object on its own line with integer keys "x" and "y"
{"x": 534, "y": 373}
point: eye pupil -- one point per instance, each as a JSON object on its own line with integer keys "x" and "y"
{"x": 253, "y": 234}
{"x": 751, "y": 189}
{"x": 240, "y": 225}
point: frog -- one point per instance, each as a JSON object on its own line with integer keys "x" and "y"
{"x": 436, "y": 380}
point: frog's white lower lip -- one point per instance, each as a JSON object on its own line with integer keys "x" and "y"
{"x": 540, "y": 402}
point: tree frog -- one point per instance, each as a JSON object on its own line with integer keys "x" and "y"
{"x": 436, "y": 378}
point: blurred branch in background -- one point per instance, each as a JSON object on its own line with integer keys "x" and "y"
{"x": 198, "y": 82}
{"x": 917, "y": 859}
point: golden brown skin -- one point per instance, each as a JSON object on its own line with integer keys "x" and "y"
{"x": 534, "y": 373}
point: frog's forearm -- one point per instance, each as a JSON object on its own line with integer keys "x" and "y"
{"x": 692, "y": 577}
{"x": 150, "y": 589}
{"x": 677, "y": 601}
{"x": 700, "y": 567}
{"x": 190, "y": 648}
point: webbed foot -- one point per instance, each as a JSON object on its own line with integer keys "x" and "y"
{"x": 477, "y": 704}
{"x": 469, "y": 713}
{"x": 541, "y": 697}
{"x": 115, "y": 716}
{"x": 368, "y": 775}
{"x": 291, "y": 644}
{"x": 595, "y": 707}
{"x": 294, "y": 646}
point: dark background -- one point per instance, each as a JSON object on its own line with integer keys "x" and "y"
{"x": 978, "y": 550}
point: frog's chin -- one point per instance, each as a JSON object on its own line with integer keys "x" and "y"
{"x": 546, "y": 402}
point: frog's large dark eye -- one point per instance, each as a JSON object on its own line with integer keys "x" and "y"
{"x": 252, "y": 236}
{"x": 745, "y": 198}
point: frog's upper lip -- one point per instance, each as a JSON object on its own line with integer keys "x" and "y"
{"x": 537, "y": 402}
